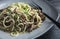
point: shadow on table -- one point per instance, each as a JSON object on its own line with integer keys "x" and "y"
{"x": 53, "y": 33}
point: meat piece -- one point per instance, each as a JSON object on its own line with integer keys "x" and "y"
{"x": 41, "y": 15}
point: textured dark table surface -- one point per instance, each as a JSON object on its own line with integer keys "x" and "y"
{"x": 54, "y": 32}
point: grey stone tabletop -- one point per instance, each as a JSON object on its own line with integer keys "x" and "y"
{"x": 54, "y": 32}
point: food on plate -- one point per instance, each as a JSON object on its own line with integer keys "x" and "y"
{"x": 20, "y": 18}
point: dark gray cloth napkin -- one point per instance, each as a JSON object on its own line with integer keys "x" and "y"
{"x": 54, "y": 32}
